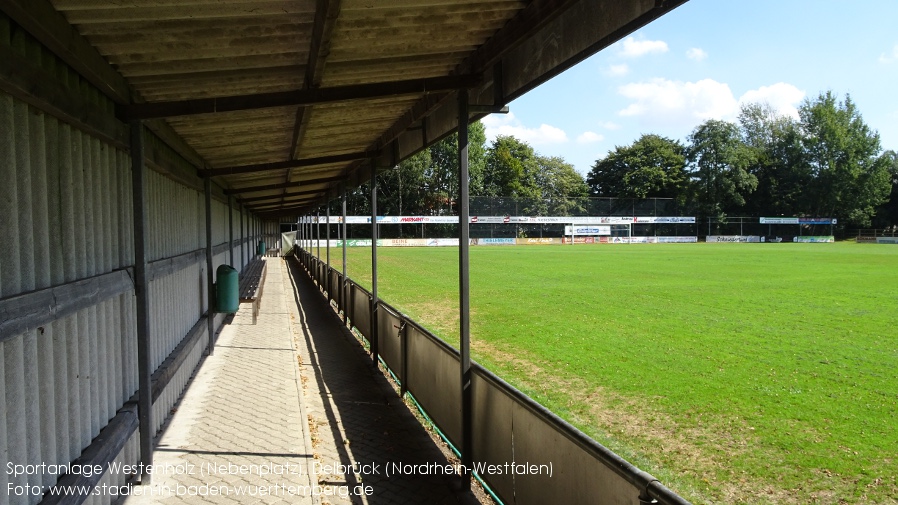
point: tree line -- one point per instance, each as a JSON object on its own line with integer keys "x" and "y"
{"x": 825, "y": 163}
{"x": 426, "y": 184}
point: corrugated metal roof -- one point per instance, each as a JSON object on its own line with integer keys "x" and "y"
{"x": 181, "y": 50}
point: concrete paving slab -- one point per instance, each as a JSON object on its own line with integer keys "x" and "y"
{"x": 291, "y": 410}
{"x": 238, "y": 434}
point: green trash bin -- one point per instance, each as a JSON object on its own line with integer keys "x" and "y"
{"x": 227, "y": 293}
{"x": 261, "y": 249}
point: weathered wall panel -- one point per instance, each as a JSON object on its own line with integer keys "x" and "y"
{"x": 9, "y": 267}
{"x": 67, "y": 199}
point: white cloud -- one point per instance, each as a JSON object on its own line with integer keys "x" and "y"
{"x": 508, "y": 125}
{"x": 696, "y": 54}
{"x": 783, "y": 97}
{"x": 618, "y": 70}
{"x": 676, "y": 101}
{"x": 609, "y": 125}
{"x": 680, "y": 104}
{"x": 889, "y": 58}
{"x": 632, "y": 48}
{"x": 590, "y": 137}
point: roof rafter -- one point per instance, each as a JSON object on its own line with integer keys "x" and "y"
{"x": 536, "y": 15}
{"x": 278, "y": 196}
{"x": 280, "y": 165}
{"x": 296, "y": 184}
{"x": 263, "y": 207}
{"x": 326, "y": 15}
{"x": 299, "y": 97}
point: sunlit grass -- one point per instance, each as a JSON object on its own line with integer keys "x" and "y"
{"x": 735, "y": 372}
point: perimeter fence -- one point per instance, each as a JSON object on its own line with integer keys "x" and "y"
{"x": 560, "y": 463}
{"x": 574, "y": 207}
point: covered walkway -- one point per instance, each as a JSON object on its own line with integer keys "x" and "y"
{"x": 290, "y": 410}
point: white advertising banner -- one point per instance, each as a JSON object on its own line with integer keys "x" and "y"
{"x": 732, "y": 238}
{"x": 650, "y": 240}
{"x": 587, "y": 230}
{"x": 493, "y": 241}
{"x": 666, "y": 219}
{"x": 825, "y": 239}
{"x": 779, "y": 220}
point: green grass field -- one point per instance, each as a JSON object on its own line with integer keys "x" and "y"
{"x": 735, "y": 373}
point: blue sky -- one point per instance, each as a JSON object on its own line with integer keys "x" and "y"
{"x": 705, "y": 58}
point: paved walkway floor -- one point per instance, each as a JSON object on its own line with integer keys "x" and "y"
{"x": 290, "y": 410}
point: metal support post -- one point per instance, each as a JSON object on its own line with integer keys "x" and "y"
{"x": 344, "y": 296}
{"x": 374, "y": 300}
{"x": 144, "y": 368}
{"x": 231, "y": 229}
{"x": 464, "y": 295}
{"x": 210, "y": 286}
{"x": 318, "y": 234}
{"x": 242, "y": 240}
{"x": 327, "y": 247}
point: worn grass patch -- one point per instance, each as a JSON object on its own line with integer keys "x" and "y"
{"x": 736, "y": 373}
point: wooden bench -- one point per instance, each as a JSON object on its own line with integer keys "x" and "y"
{"x": 252, "y": 280}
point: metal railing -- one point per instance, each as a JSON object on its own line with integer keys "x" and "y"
{"x": 874, "y": 232}
{"x": 554, "y": 461}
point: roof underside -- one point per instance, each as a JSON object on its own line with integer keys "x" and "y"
{"x": 284, "y": 100}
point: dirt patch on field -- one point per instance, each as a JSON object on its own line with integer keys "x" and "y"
{"x": 440, "y": 315}
{"x": 697, "y": 456}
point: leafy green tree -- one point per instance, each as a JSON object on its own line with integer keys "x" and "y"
{"x": 850, "y": 179}
{"x": 400, "y": 189}
{"x": 778, "y": 160}
{"x": 511, "y": 170}
{"x": 400, "y": 192}
{"x": 653, "y": 166}
{"x": 720, "y": 161}
{"x": 887, "y": 213}
{"x": 441, "y": 176}
{"x": 563, "y": 190}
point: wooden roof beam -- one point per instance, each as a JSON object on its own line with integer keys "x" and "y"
{"x": 299, "y": 97}
{"x": 279, "y": 196}
{"x": 292, "y": 210}
{"x": 319, "y": 49}
{"x": 263, "y": 207}
{"x": 281, "y": 165}
{"x": 252, "y": 189}
{"x": 326, "y": 15}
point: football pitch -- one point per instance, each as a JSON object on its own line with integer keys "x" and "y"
{"x": 735, "y": 373}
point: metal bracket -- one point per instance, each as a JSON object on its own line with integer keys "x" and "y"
{"x": 488, "y": 109}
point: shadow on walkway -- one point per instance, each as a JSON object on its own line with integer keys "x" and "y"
{"x": 357, "y": 418}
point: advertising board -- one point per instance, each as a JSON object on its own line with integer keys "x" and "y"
{"x": 493, "y": 241}
{"x": 732, "y": 238}
{"x": 538, "y": 241}
{"x": 817, "y": 240}
{"x": 779, "y": 220}
{"x": 588, "y": 230}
